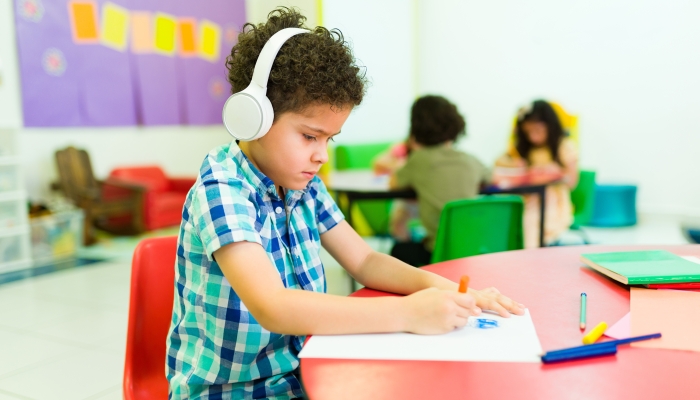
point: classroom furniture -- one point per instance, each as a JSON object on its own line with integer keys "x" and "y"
{"x": 614, "y": 206}
{"x": 150, "y": 311}
{"x": 363, "y": 185}
{"x": 583, "y": 198}
{"x": 549, "y": 282}
{"x": 359, "y": 157}
{"x": 110, "y": 205}
{"x": 692, "y": 234}
{"x": 163, "y": 197}
{"x": 479, "y": 226}
{"x": 15, "y": 253}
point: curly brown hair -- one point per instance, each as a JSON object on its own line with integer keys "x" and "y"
{"x": 434, "y": 120}
{"x": 314, "y": 68}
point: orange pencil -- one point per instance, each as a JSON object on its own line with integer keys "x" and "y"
{"x": 464, "y": 284}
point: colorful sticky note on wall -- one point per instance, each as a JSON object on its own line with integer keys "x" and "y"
{"x": 83, "y": 21}
{"x": 115, "y": 23}
{"x": 141, "y": 32}
{"x": 188, "y": 43}
{"x": 209, "y": 40}
{"x": 165, "y": 27}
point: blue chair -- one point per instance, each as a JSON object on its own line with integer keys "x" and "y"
{"x": 614, "y": 205}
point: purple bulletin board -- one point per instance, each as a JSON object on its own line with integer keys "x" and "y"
{"x": 125, "y": 62}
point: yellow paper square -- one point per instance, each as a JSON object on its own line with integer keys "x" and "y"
{"x": 115, "y": 25}
{"x": 209, "y": 40}
{"x": 166, "y": 28}
{"x": 141, "y": 32}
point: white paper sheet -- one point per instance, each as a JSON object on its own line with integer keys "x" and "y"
{"x": 514, "y": 340}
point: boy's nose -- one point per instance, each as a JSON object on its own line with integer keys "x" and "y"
{"x": 320, "y": 155}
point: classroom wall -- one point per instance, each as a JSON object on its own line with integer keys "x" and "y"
{"x": 381, "y": 33}
{"x": 178, "y": 149}
{"x": 628, "y": 68}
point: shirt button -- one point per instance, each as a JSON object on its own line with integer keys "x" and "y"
{"x": 278, "y": 210}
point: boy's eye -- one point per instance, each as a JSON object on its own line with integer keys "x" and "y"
{"x": 309, "y": 137}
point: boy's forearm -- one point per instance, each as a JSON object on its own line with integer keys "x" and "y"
{"x": 383, "y": 272}
{"x": 300, "y": 312}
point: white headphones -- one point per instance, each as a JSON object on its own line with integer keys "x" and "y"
{"x": 248, "y": 114}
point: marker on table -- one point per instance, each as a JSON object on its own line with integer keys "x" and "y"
{"x": 582, "y": 320}
{"x": 595, "y": 333}
{"x": 464, "y": 284}
{"x": 591, "y": 350}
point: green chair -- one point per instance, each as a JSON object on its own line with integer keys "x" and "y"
{"x": 583, "y": 199}
{"x": 360, "y": 156}
{"x": 483, "y": 225}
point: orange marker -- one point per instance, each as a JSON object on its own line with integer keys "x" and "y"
{"x": 464, "y": 284}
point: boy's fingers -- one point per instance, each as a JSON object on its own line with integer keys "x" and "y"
{"x": 460, "y": 322}
{"x": 495, "y": 306}
{"x": 511, "y": 305}
{"x": 464, "y": 300}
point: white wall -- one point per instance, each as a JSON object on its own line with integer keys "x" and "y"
{"x": 381, "y": 33}
{"x": 628, "y": 68}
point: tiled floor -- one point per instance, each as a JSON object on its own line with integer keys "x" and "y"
{"x": 62, "y": 335}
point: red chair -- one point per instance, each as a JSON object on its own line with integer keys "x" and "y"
{"x": 164, "y": 196}
{"x": 150, "y": 311}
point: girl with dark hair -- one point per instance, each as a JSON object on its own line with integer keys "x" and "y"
{"x": 542, "y": 146}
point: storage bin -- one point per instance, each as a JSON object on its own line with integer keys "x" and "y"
{"x": 56, "y": 237}
{"x": 9, "y": 178}
{"x": 12, "y": 213}
{"x": 11, "y": 248}
{"x": 614, "y": 206}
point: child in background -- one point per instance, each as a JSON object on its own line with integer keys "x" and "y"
{"x": 404, "y": 223}
{"x": 249, "y": 282}
{"x": 437, "y": 171}
{"x": 542, "y": 147}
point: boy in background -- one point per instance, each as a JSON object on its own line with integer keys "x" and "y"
{"x": 437, "y": 171}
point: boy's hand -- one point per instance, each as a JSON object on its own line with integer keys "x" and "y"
{"x": 492, "y": 299}
{"x": 433, "y": 311}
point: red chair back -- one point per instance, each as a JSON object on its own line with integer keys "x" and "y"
{"x": 151, "y": 176}
{"x": 150, "y": 311}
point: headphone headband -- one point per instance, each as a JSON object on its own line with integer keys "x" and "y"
{"x": 248, "y": 114}
{"x": 267, "y": 55}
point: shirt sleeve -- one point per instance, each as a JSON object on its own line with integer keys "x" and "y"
{"x": 404, "y": 174}
{"x": 328, "y": 214}
{"x": 223, "y": 214}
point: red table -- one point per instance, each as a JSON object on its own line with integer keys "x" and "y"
{"x": 549, "y": 282}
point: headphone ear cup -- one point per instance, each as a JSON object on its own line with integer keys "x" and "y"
{"x": 268, "y": 116}
{"x": 244, "y": 114}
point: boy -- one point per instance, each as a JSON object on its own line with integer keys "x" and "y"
{"x": 249, "y": 281}
{"x": 438, "y": 172}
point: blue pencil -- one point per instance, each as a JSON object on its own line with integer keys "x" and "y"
{"x": 604, "y": 344}
{"x": 576, "y": 355}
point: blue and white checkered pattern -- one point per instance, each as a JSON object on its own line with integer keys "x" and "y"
{"x": 216, "y": 349}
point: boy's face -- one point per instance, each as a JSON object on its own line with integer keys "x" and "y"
{"x": 296, "y": 146}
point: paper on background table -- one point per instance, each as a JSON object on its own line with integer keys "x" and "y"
{"x": 674, "y": 313}
{"x": 514, "y": 340}
{"x": 621, "y": 329}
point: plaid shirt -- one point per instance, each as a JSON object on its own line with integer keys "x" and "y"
{"x": 216, "y": 349}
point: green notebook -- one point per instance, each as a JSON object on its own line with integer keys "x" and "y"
{"x": 644, "y": 267}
